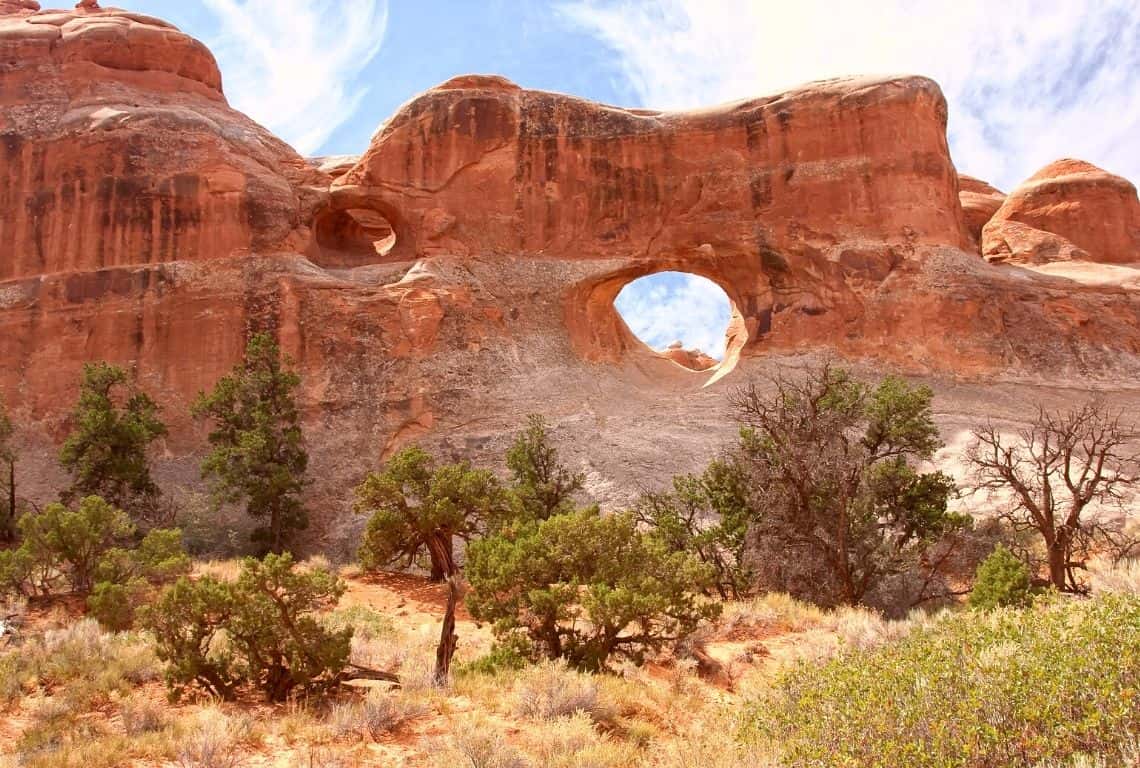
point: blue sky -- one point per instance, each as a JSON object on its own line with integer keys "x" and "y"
{"x": 1028, "y": 81}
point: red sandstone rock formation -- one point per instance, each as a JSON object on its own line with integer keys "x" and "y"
{"x": 980, "y": 202}
{"x": 693, "y": 359}
{"x": 462, "y": 272}
{"x": 18, "y": 6}
{"x": 1069, "y": 210}
{"x": 131, "y": 154}
{"x": 759, "y": 196}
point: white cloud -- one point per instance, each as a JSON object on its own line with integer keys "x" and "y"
{"x": 672, "y": 306}
{"x": 290, "y": 64}
{"x": 1028, "y": 81}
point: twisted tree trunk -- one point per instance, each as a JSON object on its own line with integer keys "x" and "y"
{"x": 441, "y": 551}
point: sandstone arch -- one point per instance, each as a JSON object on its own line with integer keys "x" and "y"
{"x": 147, "y": 223}
{"x": 599, "y": 334}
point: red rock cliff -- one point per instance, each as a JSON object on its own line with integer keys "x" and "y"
{"x": 117, "y": 147}
{"x": 462, "y": 272}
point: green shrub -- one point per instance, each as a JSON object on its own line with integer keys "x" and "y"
{"x": 541, "y": 486}
{"x": 88, "y": 546}
{"x": 160, "y": 556}
{"x": 16, "y": 571}
{"x": 263, "y": 629}
{"x": 72, "y": 541}
{"x": 114, "y": 424}
{"x": 257, "y": 445}
{"x": 113, "y": 605}
{"x": 1013, "y": 687}
{"x": 583, "y": 587}
{"x": 706, "y": 515}
{"x": 514, "y": 652}
{"x": 1001, "y": 580}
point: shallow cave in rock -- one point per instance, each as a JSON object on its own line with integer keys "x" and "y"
{"x": 352, "y": 238}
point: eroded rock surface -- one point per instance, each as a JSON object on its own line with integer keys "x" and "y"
{"x": 461, "y": 272}
{"x": 119, "y": 149}
{"x": 1069, "y": 210}
{"x": 980, "y": 201}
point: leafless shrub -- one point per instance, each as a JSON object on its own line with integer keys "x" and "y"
{"x": 380, "y": 713}
{"x": 1061, "y": 477}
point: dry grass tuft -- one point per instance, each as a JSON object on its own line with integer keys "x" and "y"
{"x": 574, "y": 742}
{"x": 712, "y": 743}
{"x": 324, "y": 757}
{"x": 1122, "y": 577}
{"x": 476, "y": 743}
{"x": 550, "y": 690}
{"x": 380, "y": 713}
{"x": 216, "y": 740}
{"x": 141, "y": 715}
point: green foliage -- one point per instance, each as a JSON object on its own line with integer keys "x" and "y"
{"x": 188, "y": 622}
{"x": 831, "y": 461}
{"x": 263, "y": 630}
{"x": 157, "y": 559}
{"x": 7, "y": 478}
{"x": 113, "y": 605}
{"x": 258, "y": 454}
{"x": 90, "y": 547}
{"x": 16, "y": 571}
{"x": 1014, "y": 687}
{"x": 1002, "y": 580}
{"x": 512, "y": 653}
{"x": 541, "y": 486}
{"x": 583, "y": 587}
{"x": 708, "y": 516}
{"x": 70, "y": 541}
{"x": 160, "y": 556}
{"x": 417, "y": 507}
{"x": 106, "y": 452}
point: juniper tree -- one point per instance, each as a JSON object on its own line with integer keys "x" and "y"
{"x": 257, "y": 446}
{"x": 708, "y": 516}
{"x": 270, "y": 618}
{"x": 541, "y": 485}
{"x": 833, "y": 469}
{"x": 584, "y": 587}
{"x": 417, "y": 507}
{"x": 114, "y": 424}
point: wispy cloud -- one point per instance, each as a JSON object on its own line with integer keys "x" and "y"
{"x": 292, "y": 65}
{"x": 1028, "y": 81}
{"x": 672, "y": 306}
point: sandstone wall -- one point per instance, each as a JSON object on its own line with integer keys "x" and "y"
{"x": 460, "y": 273}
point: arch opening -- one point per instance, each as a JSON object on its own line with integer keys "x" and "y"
{"x": 352, "y": 237}
{"x": 600, "y": 334}
{"x": 681, "y": 316}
